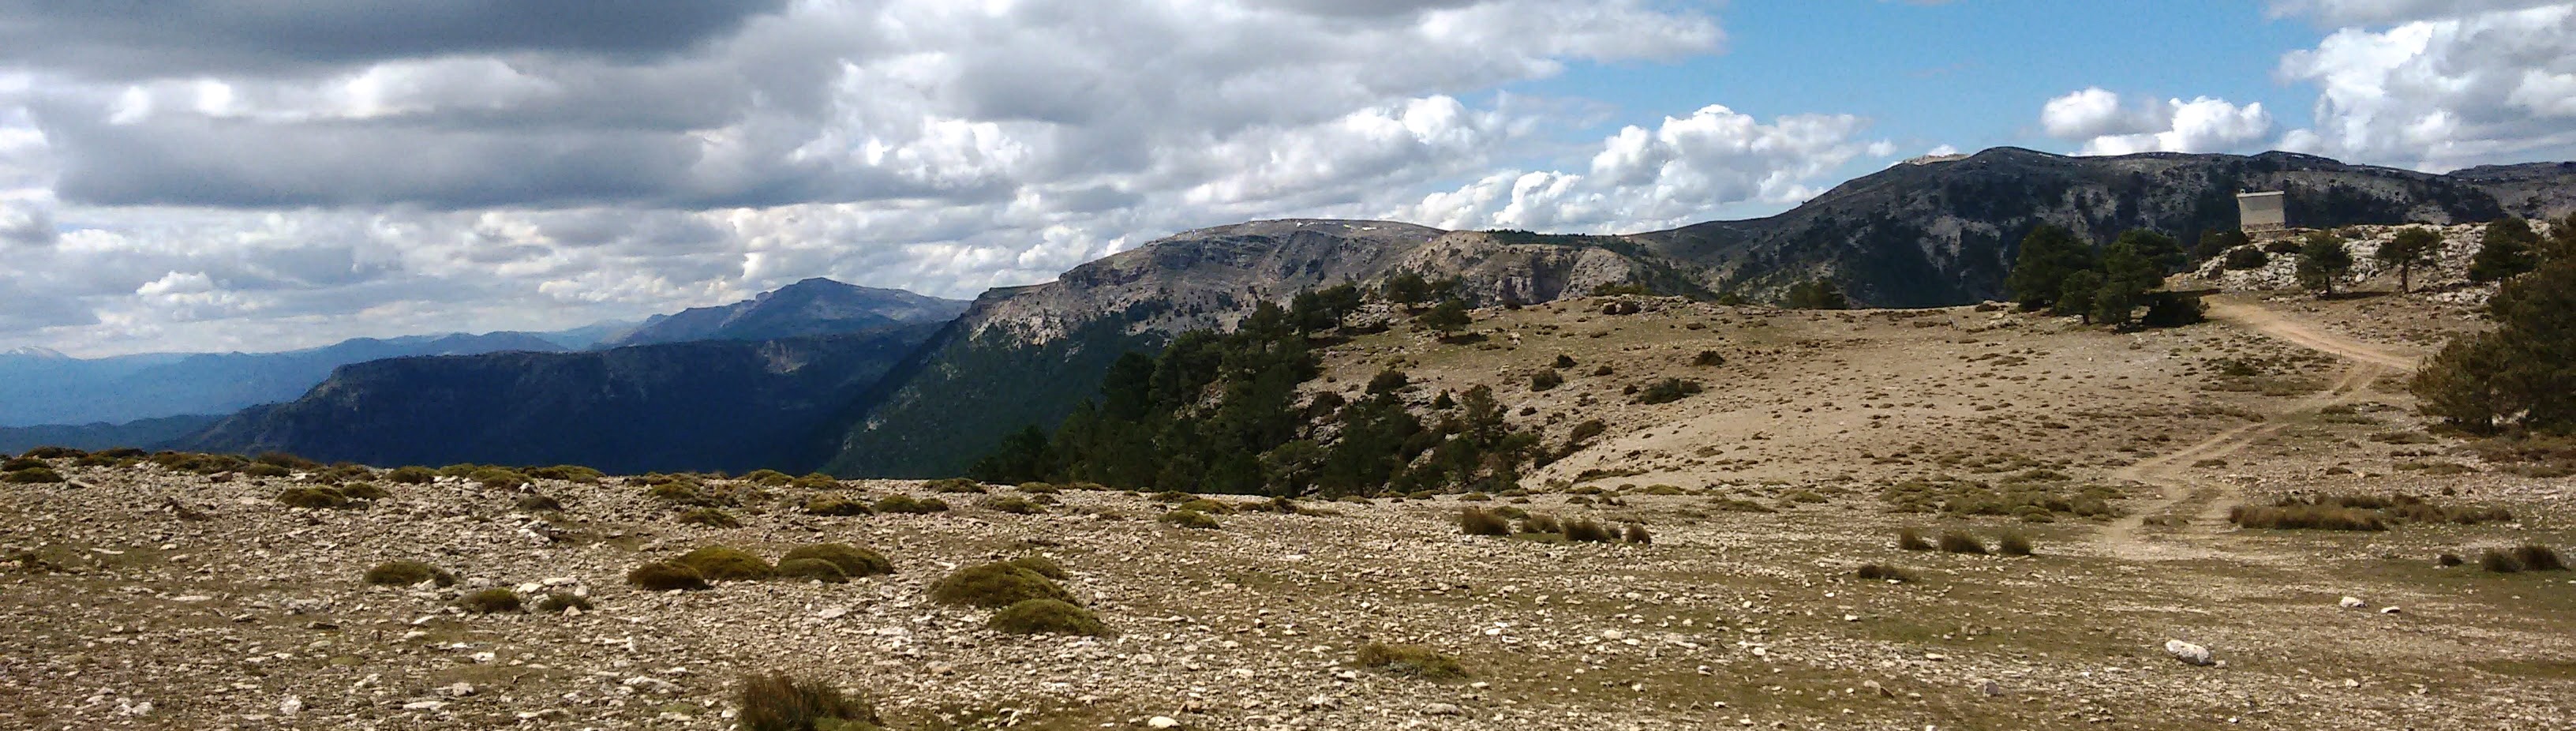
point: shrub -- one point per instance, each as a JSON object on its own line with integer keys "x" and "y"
{"x": 314, "y": 497}
{"x": 2247, "y": 257}
{"x": 1546, "y": 379}
{"x": 995, "y": 585}
{"x": 490, "y": 601}
{"x": 2012, "y": 543}
{"x": 2307, "y": 517}
{"x": 1960, "y": 542}
{"x": 408, "y": 573}
{"x": 411, "y": 475}
{"x": 853, "y": 561}
{"x": 1047, "y": 616}
{"x": 1667, "y": 391}
{"x": 497, "y": 477}
{"x": 721, "y": 563}
{"x": 538, "y": 502}
{"x": 840, "y": 506}
{"x": 567, "y": 473}
{"x": 1910, "y": 540}
{"x": 1541, "y": 524}
{"x": 1410, "y": 660}
{"x": 771, "y": 478}
{"x": 1884, "y": 572}
{"x": 1190, "y": 519}
{"x": 1038, "y": 488}
{"x": 1205, "y": 505}
{"x": 815, "y": 481}
{"x": 1564, "y": 361}
{"x": 2536, "y": 557}
{"x": 955, "y": 485}
{"x": 1637, "y": 534}
{"x": 1481, "y": 522}
{"x": 32, "y": 476}
{"x": 2447, "y": 560}
{"x": 1708, "y": 358}
{"x": 775, "y": 702}
{"x": 666, "y": 576}
{"x": 709, "y": 517}
{"x": 2499, "y": 562}
{"x": 554, "y": 602}
{"x": 265, "y": 470}
{"x": 1585, "y": 530}
{"x": 910, "y": 504}
{"x": 53, "y": 452}
{"x": 14, "y": 464}
{"x": 812, "y": 568}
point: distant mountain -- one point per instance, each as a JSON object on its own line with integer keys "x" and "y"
{"x": 2529, "y": 190}
{"x": 589, "y": 336}
{"x": 40, "y": 388}
{"x": 810, "y": 307}
{"x": 1914, "y": 235}
{"x": 706, "y": 405}
{"x": 141, "y": 434}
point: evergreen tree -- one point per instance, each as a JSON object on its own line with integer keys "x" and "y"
{"x": 2162, "y": 252}
{"x": 1817, "y": 294}
{"x": 2215, "y": 244}
{"x": 2535, "y": 318}
{"x": 2127, "y": 276}
{"x": 2047, "y": 256}
{"x": 2322, "y": 260}
{"x": 1406, "y": 288}
{"x": 2080, "y": 289}
{"x": 2507, "y": 249}
{"x": 2415, "y": 246}
{"x": 1447, "y": 318}
{"x": 2460, "y": 385}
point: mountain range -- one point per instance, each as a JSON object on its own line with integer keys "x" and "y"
{"x": 42, "y": 387}
{"x": 811, "y": 307}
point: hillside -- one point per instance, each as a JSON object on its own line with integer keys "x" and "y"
{"x": 1910, "y": 236}
{"x": 40, "y": 389}
{"x": 1823, "y": 438}
{"x": 811, "y": 307}
{"x": 709, "y": 405}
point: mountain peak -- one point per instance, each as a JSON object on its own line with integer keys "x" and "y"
{"x": 811, "y": 306}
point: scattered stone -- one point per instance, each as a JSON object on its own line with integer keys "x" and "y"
{"x": 2188, "y": 653}
{"x": 2352, "y": 602}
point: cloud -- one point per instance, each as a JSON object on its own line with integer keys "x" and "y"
{"x": 2336, "y": 13}
{"x": 2438, "y": 93}
{"x": 281, "y": 36}
{"x": 2109, "y": 125}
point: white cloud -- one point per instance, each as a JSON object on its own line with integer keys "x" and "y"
{"x": 2107, "y": 124}
{"x": 2384, "y": 12}
{"x": 2441, "y": 91}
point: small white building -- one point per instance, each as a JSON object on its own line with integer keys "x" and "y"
{"x": 2261, "y": 212}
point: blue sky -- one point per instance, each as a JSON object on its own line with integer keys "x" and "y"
{"x": 197, "y": 178}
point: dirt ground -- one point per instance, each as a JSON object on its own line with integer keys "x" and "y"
{"x": 1803, "y": 458}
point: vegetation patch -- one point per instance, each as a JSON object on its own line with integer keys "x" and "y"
{"x": 994, "y": 586}
{"x": 910, "y": 504}
{"x": 316, "y": 496}
{"x": 776, "y": 702}
{"x": 836, "y": 506}
{"x": 709, "y": 517}
{"x": 852, "y": 560}
{"x": 1481, "y": 522}
{"x": 1191, "y": 519}
{"x": 1413, "y": 661}
{"x": 1884, "y": 572}
{"x": 408, "y": 573}
{"x": 555, "y": 602}
{"x": 2526, "y": 557}
{"x": 1047, "y": 616}
{"x": 1585, "y": 530}
{"x": 2035, "y": 495}
{"x": 36, "y": 475}
{"x": 666, "y": 576}
{"x": 490, "y": 601}
{"x": 1955, "y": 541}
{"x": 722, "y": 563}
{"x": 811, "y": 569}
{"x": 2357, "y": 513}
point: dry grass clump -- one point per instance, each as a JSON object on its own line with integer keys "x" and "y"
{"x": 1585, "y": 530}
{"x": 2012, "y": 543}
{"x": 996, "y": 585}
{"x": 2448, "y": 560}
{"x": 709, "y": 517}
{"x": 1205, "y": 505}
{"x": 1955, "y": 541}
{"x": 490, "y": 601}
{"x": 836, "y": 506}
{"x": 316, "y": 497}
{"x": 1410, "y": 660}
{"x": 37, "y": 475}
{"x": 812, "y": 569}
{"x": 1912, "y": 540}
{"x": 853, "y": 561}
{"x": 411, "y": 475}
{"x": 1540, "y": 524}
{"x": 1047, "y": 616}
{"x": 723, "y": 563}
{"x": 776, "y": 702}
{"x": 955, "y": 485}
{"x": 2359, "y": 513}
{"x": 2526, "y": 557}
{"x": 1191, "y": 519}
{"x": 1041, "y": 566}
{"x": 910, "y": 504}
{"x": 1481, "y": 522}
{"x": 1637, "y": 534}
{"x": 666, "y": 576}
{"x": 14, "y": 464}
{"x": 1012, "y": 504}
{"x": 1884, "y": 572}
{"x": 408, "y": 573}
{"x": 555, "y": 602}
{"x": 534, "y": 502}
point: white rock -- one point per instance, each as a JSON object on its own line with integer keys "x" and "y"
{"x": 1162, "y": 722}
{"x": 2352, "y": 602}
{"x": 2390, "y": 610}
{"x": 291, "y": 706}
{"x": 424, "y": 705}
{"x": 459, "y": 690}
{"x": 2189, "y": 653}
{"x": 1443, "y": 709}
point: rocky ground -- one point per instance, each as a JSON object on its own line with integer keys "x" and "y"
{"x": 139, "y": 597}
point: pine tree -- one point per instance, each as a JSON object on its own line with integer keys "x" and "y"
{"x": 2507, "y": 249}
{"x": 2161, "y": 251}
{"x": 2413, "y": 247}
{"x": 2048, "y": 254}
{"x": 1817, "y": 294}
{"x": 1447, "y": 318}
{"x": 2322, "y": 260}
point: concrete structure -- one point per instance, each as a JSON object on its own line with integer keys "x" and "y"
{"x": 2261, "y": 212}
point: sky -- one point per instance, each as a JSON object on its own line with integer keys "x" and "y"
{"x": 217, "y": 175}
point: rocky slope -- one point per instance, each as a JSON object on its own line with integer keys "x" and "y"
{"x": 811, "y": 307}
{"x": 2533, "y": 190}
{"x": 710, "y": 405}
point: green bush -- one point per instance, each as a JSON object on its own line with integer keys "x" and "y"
{"x": 770, "y": 478}
{"x": 497, "y": 477}
{"x": 1012, "y": 504}
{"x": 408, "y": 573}
{"x": 1667, "y": 391}
{"x": 958, "y": 485}
{"x": 411, "y": 475}
{"x": 1884, "y": 572}
{"x": 315, "y": 497}
{"x": 1041, "y": 566}
{"x": 2247, "y": 257}
{"x": 1546, "y": 379}
{"x": 554, "y": 602}
{"x": 910, "y": 504}
{"x": 853, "y": 561}
{"x": 1410, "y": 660}
{"x": 722, "y": 563}
{"x": 995, "y": 585}
{"x": 14, "y": 464}
{"x": 775, "y": 702}
{"x": 490, "y": 601}
{"x": 32, "y": 476}
{"x": 1047, "y": 616}
{"x": 836, "y": 506}
{"x": 814, "y": 569}
{"x": 265, "y": 470}
{"x": 1191, "y": 519}
{"x": 666, "y": 576}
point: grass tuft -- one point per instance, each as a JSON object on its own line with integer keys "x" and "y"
{"x": 995, "y": 585}
{"x": 1481, "y": 522}
{"x": 1585, "y": 530}
{"x": 812, "y": 569}
{"x": 1047, "y": 616}
{"x": 2012, "y": 543}
{"x": 1411, "y": 661}
{"x": 1960, "y": 542}
{"x": 776, "y": 702}
{"x": 1884, "y": 572}
{"x": 490, "y": 601}
{"x": 1190, "y": 519}
{"x": 1911, "y": 540}
{"x": 408, "y": 573}
{"x": 666, "y": 576}
{"x": 722, "y": 563}
{"x": 853, "y": 561}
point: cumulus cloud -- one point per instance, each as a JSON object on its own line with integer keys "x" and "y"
{"x": 2107, "y": 124}
{"x": 2480, "y": 83}
{"x": 293, "y": 173}
{"x": 2383, "y": 12}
